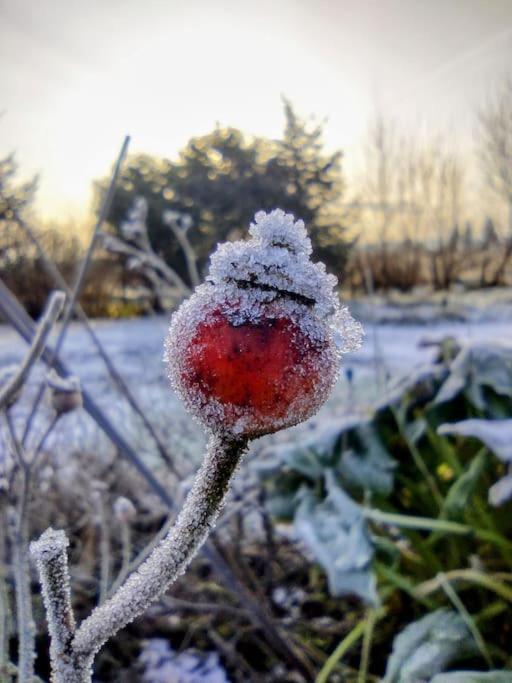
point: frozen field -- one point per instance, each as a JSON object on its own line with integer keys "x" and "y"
{"x": 390, "y": 349}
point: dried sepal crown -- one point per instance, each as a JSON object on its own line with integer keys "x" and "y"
{"x": 278, "y": 260}
{"x": 65, "y": 392}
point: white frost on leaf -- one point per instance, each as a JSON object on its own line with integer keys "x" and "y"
{"x": 501, "y": 491}
{"x": 427, "y": 646}
{"x": 163, "y": 665}
{"x": 495, "y": 434}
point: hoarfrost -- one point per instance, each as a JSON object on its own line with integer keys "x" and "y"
{"x": 426, "y": 646}
{"x": 124, "y": 510}
{"x": 163, "y": 665}
{"x": 256, "y": 282}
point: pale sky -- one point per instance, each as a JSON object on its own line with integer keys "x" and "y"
{"x": 76, "y": 76}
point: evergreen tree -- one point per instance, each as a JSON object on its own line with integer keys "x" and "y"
{"x": 222, "y": 179}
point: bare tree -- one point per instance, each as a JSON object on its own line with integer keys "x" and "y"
{"x": 380, "y": 186}
{"x": 495, "y": 144}
{"x": 415, "y": 191}
{"x": 443, "y": 201}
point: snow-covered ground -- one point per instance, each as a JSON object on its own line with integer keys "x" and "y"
{"x": 135, "y": 346}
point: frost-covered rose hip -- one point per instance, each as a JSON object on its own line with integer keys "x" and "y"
{"x": 257, "y": 347}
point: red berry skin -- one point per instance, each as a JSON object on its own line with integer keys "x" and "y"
{"x": 265, "y": 375}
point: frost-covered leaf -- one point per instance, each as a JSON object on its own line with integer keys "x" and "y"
{"x": 370, "y": 467}
{"x": 311, "y": 453}
{"x": 161, "y": 664}
{"x": 474, "y": 677}
{"x": 425, "y": 647}
{"x": 285, "y": 466}
{"x": 462, "y": 489}
{"x": 476, "y": 367}
{"x": 364, "y": 462}
{"x": 336, "y": 533}
{"x": 495, "y": 434}
{"x": 421, "y": 387}
{"x": 501, "y": 491}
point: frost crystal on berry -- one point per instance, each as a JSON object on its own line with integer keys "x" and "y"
{"x": 258, "y": 346}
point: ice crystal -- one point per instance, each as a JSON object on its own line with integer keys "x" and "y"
{"x": 276, "y": 262}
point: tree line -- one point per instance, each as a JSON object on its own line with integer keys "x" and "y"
{"x": 405, "y": 223}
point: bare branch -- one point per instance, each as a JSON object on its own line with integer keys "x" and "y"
{"x": 9, "y": 393}
{"x": 50, "y": 555}
{"x": 72, "y": 655}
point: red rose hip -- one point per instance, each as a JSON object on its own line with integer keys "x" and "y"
{"x": 253, "y": 350}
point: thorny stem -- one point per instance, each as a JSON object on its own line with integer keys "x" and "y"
{"x": 167, "y": 561}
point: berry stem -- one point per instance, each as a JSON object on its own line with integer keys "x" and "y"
{"x": 167, "y": 561}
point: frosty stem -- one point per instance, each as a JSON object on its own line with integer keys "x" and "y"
{"x": 50, "y": 553}
{"x": 73, "y": 652}
{"x": 48, "y": 320}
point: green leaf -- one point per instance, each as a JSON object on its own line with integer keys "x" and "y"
{"x": 462, "y": 489}
{"x": 501, "y": 491}
{"x": 368, "y": 466}
{"x": 312, "y": 452}
{"x": 478, "y": 367}
{"x": 495, "y": 434}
